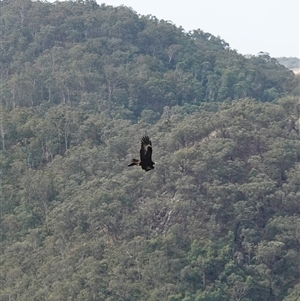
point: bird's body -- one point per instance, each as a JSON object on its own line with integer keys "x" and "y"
{"x": 145, "y": 155}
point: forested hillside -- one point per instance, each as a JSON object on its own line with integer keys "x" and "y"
{"x": 290, "y": 62}
{"x": 218, "y": 219}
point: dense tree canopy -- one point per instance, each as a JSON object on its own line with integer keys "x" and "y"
{"x": 219, "y": 216}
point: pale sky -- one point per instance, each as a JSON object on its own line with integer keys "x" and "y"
{"x": 249, "y": 26}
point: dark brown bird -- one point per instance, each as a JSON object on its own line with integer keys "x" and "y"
{"x": 145, "y": 155}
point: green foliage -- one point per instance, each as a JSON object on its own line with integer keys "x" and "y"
{"x": 217, "y": 219}
{"x": 100, "y": 58}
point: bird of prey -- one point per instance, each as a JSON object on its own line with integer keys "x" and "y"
{"x": 145, "y": 155}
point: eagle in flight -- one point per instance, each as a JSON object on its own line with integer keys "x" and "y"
{"x": 145, "y": 155}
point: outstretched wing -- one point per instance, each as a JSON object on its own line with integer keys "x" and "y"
{"x": 146, "y": 151}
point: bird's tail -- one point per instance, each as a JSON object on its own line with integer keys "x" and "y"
{"x": 134, "y": 162}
